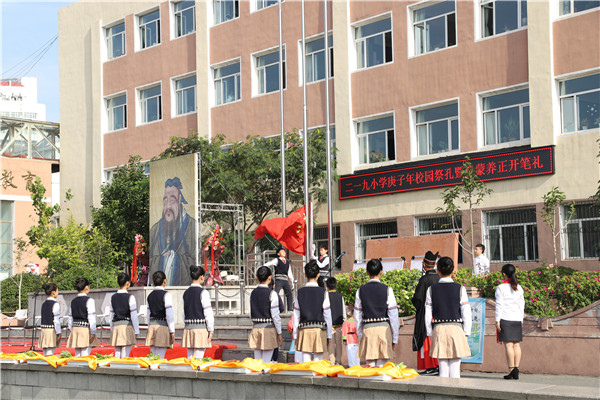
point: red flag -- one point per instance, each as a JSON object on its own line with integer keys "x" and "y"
{"x": 134, "y": 264}
{"x": 289, "y": 231}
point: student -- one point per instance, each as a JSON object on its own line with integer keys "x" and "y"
{"x": 161, "y": 327}
{"x": 123, "y": 318}
{"x": 197, "y": 315}
{"x": 264, "y": 313}
{"x": 448, "y": 320}
{"x": 350, "y": 339}
{"x": 481, "y": 264}
{"x": 376, "y": 316}
{"x": 323, "y": 263}
{"x": 82, "y": 320}
{"x": 312, "y": 317}
{"x": 275, "y": 356}
{"x": 283, "y": 271}
{"x": 338, "y": 315}
{"x": 50, "y": 333}
{"x": 510, "y": 306}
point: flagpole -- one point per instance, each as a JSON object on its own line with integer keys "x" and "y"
{"x": 282, "y": 139}
{"x": 305, "y": 141}
{"x": 327, "y": 132}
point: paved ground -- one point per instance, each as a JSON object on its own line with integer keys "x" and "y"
{"x": 559, "y": 380}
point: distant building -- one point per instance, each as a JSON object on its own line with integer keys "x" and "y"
{"x": 18, "y": 99}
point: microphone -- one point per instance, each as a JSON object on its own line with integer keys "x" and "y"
{"x": 51, "y": 273}
{"x": 340, "y": 256}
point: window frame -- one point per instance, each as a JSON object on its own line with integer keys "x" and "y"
{"x": 300, "y": 53}
{"x": 108, "y": 111}
{"x": 415, "y": 128}
{"x": 358, "y": 24}
{"x": 141, "y": 26}
{"x": 481, "y": 16}
{"x": 572, "y": 11}
{"x": 256, "y": 70}
{"x": 254, "y": 5}
{"x": 175, "y": 94}
{"x": 358, "y": 136}
{"x": 140, "y": 101}
{"x": 360, "y": 243}
{"x": 526, "y": 229}
{"x": 481, "y": 118}
{"x": 238, "y": 82}
{"x": 450, "y": 229}
{"x": 107, "y": 39}
{"x": 236, "y": 7}
{"x": 564, "y": 215}
{"x": 175, "y": 20}
{"x": 565, "y": 78}
{"x": 412, "y": 36}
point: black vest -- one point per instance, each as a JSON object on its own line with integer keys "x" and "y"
{"x": 79, "y": 309}
{"x": 325, "y": 268}
{"x": 156, "y": 304}
{"x": 192, "y": 303}
{"x": 282, "y": 268}
{"x": 47, "y": 314}
{"x": 373, "y": 296}
{"x": 120, "y": 306}
{"x": 260, "y": 303}
{"x": 446, "y": 302}
{"x": 336, "y": 301}
{"x": 310, "y": 300}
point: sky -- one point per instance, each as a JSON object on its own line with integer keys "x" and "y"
{"x": 26, "y": 27}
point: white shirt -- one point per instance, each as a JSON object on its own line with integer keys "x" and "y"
{"x": 132, "y": 310}
{"x": 465, "y": 308}
{"x": 326, "y": 313}
{"x": 273, "y": 263}
{"x": 274, "y": 300}
{"x": 510, "y": 304}
{"x": 209, "y": 315}
{"x": 90, "y": 304}
{"x": 168, "y": 309}
{"x": 56, "y": 314}
{"x": 481, "y": 265}
{"x": 392, "y": 313}
{"x": 324, "y": 263}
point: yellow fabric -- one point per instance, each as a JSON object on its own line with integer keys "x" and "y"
{"x": 53, "y": 360}
{"x": 91, "y": 360}
{"x": 106, "y": 361}
{"x": 203, "y": 365}
{"x": 250, "y": 363}
{"x": 141, "y": 361}
{"x": 15, "y": 356}
{"x": 389, "y": 369}
{"x": 322, "y": 367}
{"x": 182, "y": 361}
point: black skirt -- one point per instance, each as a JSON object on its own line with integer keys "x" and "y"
{"x": 510, "y": 331}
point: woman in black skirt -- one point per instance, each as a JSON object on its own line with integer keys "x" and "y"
{"x": 510, "y": 306}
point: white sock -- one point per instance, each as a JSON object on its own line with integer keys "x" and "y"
{"x": 49, "y": 351}
{"x": 318, "y": 356}
{"x": 83, "y": 352}
{"x": 298, "y": 356}
{"x": 381, "y": 362}
{"x": 372, "y": 363}
{"x": 306, "y": 357}
{"x": 160, "y": 351}
{"x": 77, "y": 352}
{"x": 454, "y": 365}
{"x": 198, "y": 354}
{"x": 444, "y": 368}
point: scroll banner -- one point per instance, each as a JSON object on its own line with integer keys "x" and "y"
{"x": 477, "y": 332}
{"x": 489, "y": 166}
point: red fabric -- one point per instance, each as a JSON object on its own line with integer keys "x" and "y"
{"x": 134, "y": 263}
{"x": 426, "y": 362}
{"x": 506, "y": 281}
{"x": 289, "y": 231}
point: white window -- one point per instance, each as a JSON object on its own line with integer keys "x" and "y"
{"x": 321, "y": 237}
{"x": 373, "y": 230}
{"x": 183, "y": 12}
{"x": 435, "y": 225}
{"x": 225, "y": 10}
{"x": 376, "y": 140}
{"x": 151, "y": 104}
{"x": 499, "y": 16}
{"x": 260, "y": 4}
{"x": 116, "y": 108}
{"x": 434, "y": 26}
{"x": 115, "y": 41}
{"x": 580, "y": 103}
{"x": 437, "y": 129}
{"x": 267, "y": 72}
{"x": 315, "y": 59}
{"x": 6, "y": 238}
{"x": 373, "y": 43}
{"x": 581, "y": 237}
{"x": 185, "y": 95}
{"x": 511, "y": 235}
{"x": 228, "y": 85}
{"x": 575, "y": 6}
{"x": 506, "y": 117}
{"x": 149, "y": 26}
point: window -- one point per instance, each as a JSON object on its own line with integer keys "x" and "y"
{"x": 373, "y": 43}
{"x": 581, "y": 237}
{"x": 506, "y": 117}
{"x": 499, "y": 16}
{"x": 437, "y": 129}
{"x": 315, "y": 59}
{"x": 580, "y": 103}
{"x": 434, "y": 27}
{"x": 376, "y": 140}
{"x": 117, "y": 112}
{"x": 115, "y": 41}
{"x": 373, "y": 230}
{"x": 185, "y": 95}
{"x": 436, "y": 225}
{"x": 184, "y": 18}
{"x": 226, "y": 10}
{"x": 228, "y": 86}
{"x": 321, "y": 237}
{"x": 267, "y": 72}
{"x": 511, "y": 235}
{"x": 6, "y": 238}
{"x": 575, "y": 6}
{"x": 149, "y": 29}
{"x": 151, "y": 104}
{"x": 260, "y": 4}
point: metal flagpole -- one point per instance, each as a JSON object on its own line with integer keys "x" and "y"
{"x": 327, "y": 132}
{"x": 305, "y": 141}
{"x": 282, "y": 139}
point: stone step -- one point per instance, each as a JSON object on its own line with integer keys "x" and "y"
{"x": 240, "y": 354}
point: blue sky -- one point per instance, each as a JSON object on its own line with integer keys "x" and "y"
{"x": 26, "y": 26}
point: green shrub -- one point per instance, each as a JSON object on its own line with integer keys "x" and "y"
{"x": 9, "y": 291}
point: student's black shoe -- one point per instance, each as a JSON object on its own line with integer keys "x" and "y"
{"x": 513, "y": 374}
{"x": 431, "y": 372}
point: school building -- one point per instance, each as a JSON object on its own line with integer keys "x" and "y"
{"x": 414, "y": 87}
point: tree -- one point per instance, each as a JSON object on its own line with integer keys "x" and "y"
{"x": 22, "y": 247}
{"x": 471, "y": 192}
{"x": 44, "y": 212}
{"x": 550, "y": 214}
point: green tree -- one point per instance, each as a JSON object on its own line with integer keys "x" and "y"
{"x": 44, "y": 212}
{"x": 550, "y": 214}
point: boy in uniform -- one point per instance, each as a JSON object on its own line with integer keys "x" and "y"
{"x": 283, "y": 271}
{"x": 338, "y": 315}
{"x": 481, "y": 264}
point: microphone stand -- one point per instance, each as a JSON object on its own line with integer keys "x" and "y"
{"x": 35, "y": 295}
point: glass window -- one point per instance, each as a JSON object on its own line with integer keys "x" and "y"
{"x": 149, "y": 29}
{"x": 376, "y": 140}
{"x": 575, "y": 6}
{"x": 117, "y": 112}
{"x": 506, "y": 117}
{"x": 437, "y": 129}
{"x": 115, "y": 41}
{"x": 580, "y": 103}
{"x": 581, "y": 236}
{"x": 260, "y": 4}
{"x": 184, "y": 18}
{"x": 227, "y": 81}
{"x": 267, "y": 70}
{"x": 315, "y": 59}
{"x": 185, "y": 93}
{"x": 373, "y": 43}
{"x": 151, "y": 104}
{"x": 226, "y": 10}
{"x": 321, "y": 237}
{"x": 6, "y": 238}
{"x": 435, "y": 27}
{"x": 499, "y": 16}
{"x": 373, "y": 230}
{"x": 435, "y": 225}
{"x": 511, "y": 235}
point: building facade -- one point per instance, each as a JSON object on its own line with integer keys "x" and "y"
{"x": 415, "y": 87}
{"x": 18, "y": 99}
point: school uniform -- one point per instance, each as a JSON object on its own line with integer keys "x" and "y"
{"x": 266, "y": 322}
{"x": 162, "y": 319}
{"x": 82, "y": 322}
{"x": 510, "y": 308}
{"x": 50, "y": 324}
{"x": 481, "y": 265}
{"x": 323, "y": 263}
{"x": 198, "y": 317}
{"x": 283, "y": 272}
{"x": 123, "y": 319}
{"x": 338, "y": 316}
{"x": 312, "y": 320}
{"x": 421, "y": 342}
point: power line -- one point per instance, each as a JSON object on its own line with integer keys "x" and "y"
{"x": 23, "y": 67}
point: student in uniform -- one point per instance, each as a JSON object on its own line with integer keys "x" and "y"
{"x": 338, "y": 315}
{"x": 481, "y": 264}
{"x": 264, "y": 313}
{"x": 123, "y": 318}
{"x": 323, "y": 263}
{"x": 350, "y": 339}
{"x": 50, "y": 333}
{"x": 198, "y": 315}
{"x": 376, "y": 318}
{"x": 161, "y": 326}
{"x": 283, "y": 271}
{"x": 312, "y": 318}
{"x": 82, "y": 320}
{"x": 275, "y": 356}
